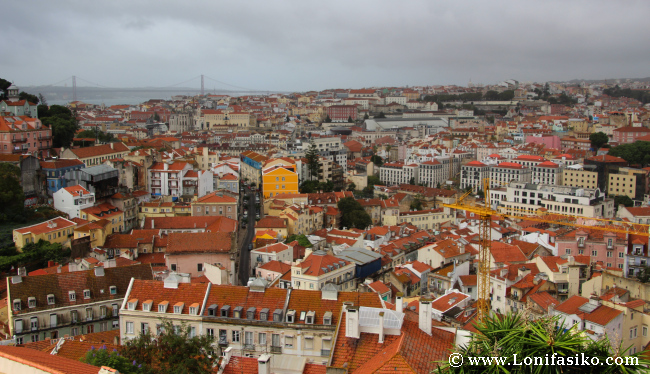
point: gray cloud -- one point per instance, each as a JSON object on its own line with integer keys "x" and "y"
{"x": 302, "y": 45}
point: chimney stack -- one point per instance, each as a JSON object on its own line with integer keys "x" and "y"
{"x": 264, "y": 364}
{"x": 425, "y": 315}
{"x": 381, "y": 328}
{"x": 399, "y": 302}
{"x": 351, "y": 321}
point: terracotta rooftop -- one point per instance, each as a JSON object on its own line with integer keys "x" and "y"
{"x": 198, "y": 242}
{"x": 45, "y": 362}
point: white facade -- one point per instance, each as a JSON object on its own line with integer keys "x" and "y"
{"x": 473, "y": 174}
{"x": 71, "y": 200}
{"x": 399, "y": 173}
{"x": 507, "y": 172}
{"x": 527, "y": 198}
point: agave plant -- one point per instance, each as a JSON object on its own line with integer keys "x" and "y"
{"x": 512, "y": 343}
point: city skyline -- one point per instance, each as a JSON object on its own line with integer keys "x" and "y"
{"x": 295, "y": 46}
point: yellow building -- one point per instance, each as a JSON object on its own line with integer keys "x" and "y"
{"x": 225, "y": 118}
{"x": 580, "y": 178}
{"x": 108, "y": 212}
{"x": 56, "y": 230}
{"x": 624, "y": 182}
{"x": 279, "y": 177}
{"x": 97, "y": 231}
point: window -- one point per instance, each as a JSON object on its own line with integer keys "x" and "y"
{"x": 199, "y": 267}
{"x": 594, "y": 253}
{"x": 129, "y": 327}
{"x": 113, "y": 290}
{"x": 89, "y": 314}
{"x": 288, "y": 341}
{"x": 86, "y": 294}
{"x": 309, "y": 342}
{"x": 31, "y": 302}
{"x": 72, "y": 295}
{"x": 18, "y": 326}
{"x": 209, "y": 332}
{"x": 262, "y": 338}
{"x": 33, "y": 323}
{"x": 116, "y": 310}
{"x": 16, "y": 304}
{"x": 644, "y": 330}
{"x": 235, "y": 336}
{"x": 275, "y": 340}
{"x": 144, "y": 327}
{"x": 248, "y": 338}
{"x": 621, "y": 255}
{"x": 568, "y": 251}
{"x": 178, "y": 309}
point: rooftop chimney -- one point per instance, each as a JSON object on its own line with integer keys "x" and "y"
{"x": 381, "y": 328}
{"x": 399, "y": 302}
{"x": 425, "y": 315}
{"x": 264, "y": 364}
{"x": 351, "y": 321}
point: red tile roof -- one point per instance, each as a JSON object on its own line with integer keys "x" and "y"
{"x": 100, "y": 150}
{"x": 41, "y": 228}
{"x": 198, "y": 242}
{"x": 314, "y": 263}
{"x": 46, "y": 362}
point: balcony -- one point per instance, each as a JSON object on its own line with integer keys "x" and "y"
{"x": 276, "y": 349}
{"x": 18, "y": 150}
{"x": 44, "y": 146}
{"x": 223, "y": 342}
{"x": 249, "y": 347}
{"x": 19, "y": 140}
{"x": 45, "y": 137}
{"x": 325, "y": 352}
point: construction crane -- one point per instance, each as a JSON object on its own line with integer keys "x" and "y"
{"x": 484, "y": 214}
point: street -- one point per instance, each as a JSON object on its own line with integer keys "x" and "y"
{"x": 244, "y": 253}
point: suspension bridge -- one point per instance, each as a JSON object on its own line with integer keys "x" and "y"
{"x": 196, "y": 83}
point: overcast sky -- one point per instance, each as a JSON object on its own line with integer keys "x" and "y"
{"x": 313, "y": 45}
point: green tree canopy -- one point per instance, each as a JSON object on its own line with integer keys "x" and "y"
{"x": 352, "y": 187}
{"x": 302, "y": 240}
{"x": 376, "y": 160}
{"x": 29, "y": 97}
{"x": 102, "y": 357}
{"x": 4, "y": 85}
{"x": 12, "y": 197}
{"x": 637, "y": 153}
{"x": 174, "y": 350}
{"x": 508, "y": 335}
{"x": 328, "y": 119}
{"x": 313, "y": 163}
{"x": 623, "y": 200}
{"x": 62, "y": 122}
{"x": 416, "y": 204}
{"x": 598, "y": 139}
{"x": 353, "y": 214}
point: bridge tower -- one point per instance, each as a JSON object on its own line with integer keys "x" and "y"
{"x": 74, "y": 88}
{"x": 202, "y": 86}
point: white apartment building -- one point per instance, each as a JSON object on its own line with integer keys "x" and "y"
{"x": 168, "y": 179}
{"x": 528, "y": 160}
{"x": 472, "y": 174}
{"x": 399, "y": 173}
{"x": 546, "y": 172}
{"x": 71, "y": 200}
{"x": 506, "y": 172}
{"x": 527, "y": 198}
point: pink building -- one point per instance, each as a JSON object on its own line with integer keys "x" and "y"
{"x": 21, "y": 134}
{"x": 550, "y": 141}
{"x": 606, "y": 247}
{"x": 629, "y": 134}
{"x": 187, "y": 252}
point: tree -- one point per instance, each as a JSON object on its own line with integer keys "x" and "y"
{"x": 42, "y": 99}
{"x": 308, "y": 187}
{"x": 624, "y": 200}
{"x": 62, "y": 122}
{"x": 4, "y": 86}
{"x": 412, "y": 181}
{"x": 366, "y": 116}
{"x": 416, "y": 204}
{"x": 12, "y": 197}
{"x": 380, "y": 115}
{"x": 29, "y": 97}
{"x": 352, "y": 187}
{"x": 598, "y": 139}
{"x": 102, "y": 357}
{"x": 173, "y": 350}
{"x": 514, "y": 334}
{"x": 376, "y": 160}
{"x": 634, "y": 153}
{"x": 328, "y": 119}
{"x": 313, "y": 164}
{"x": 353, "y": 214}
{"x": 302, "y": 240}
{"x": 350, "y": 119}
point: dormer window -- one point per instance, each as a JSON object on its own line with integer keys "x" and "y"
{"x": 178, "y": 308}
{"x": 162, "y": 307}
{"x": 146, "y": 306}
{"x": 250, "y": 313}
{"x": 264, "y": 314}
{"x": 50, "y": 299}
{"x": 72, "y": 295}
{"x": 225, "y": 311}
{"x": 132, "y": 304}
{"x": 31, "y": 302}
{"x": 17, "y": 304}
{"x": 291, "y": 316}
{"x": 581, "y": 241}
{"x": 277, "y": 315}
{"x": 610, "y": 242}
{"x": 327, "y": 318}
{"x": 86, "y": 294}
{"x": 113, "y": 290}
{"x": 311, "y": 317}
{"x": 238, "y": 312}
{"x": 194, "y": 309}
{"x": 212, "y": 310}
